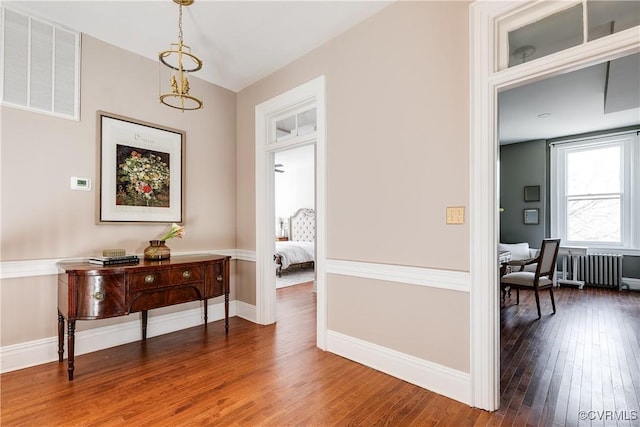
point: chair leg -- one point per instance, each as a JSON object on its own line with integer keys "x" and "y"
{"x": 517, "y": 296}
{"x": 553, "y": 301}
{"x": 538, "y": 303}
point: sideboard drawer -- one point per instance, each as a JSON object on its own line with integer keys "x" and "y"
{"x": 215, "y": 286}
{"x": 101, "y": 296}
{"x": 168, "y": 278}
{"x": 148, "y": 280}
{"x": 185, "y": 275}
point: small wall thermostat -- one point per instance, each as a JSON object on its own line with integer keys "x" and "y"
{"x": 80, "y": 183}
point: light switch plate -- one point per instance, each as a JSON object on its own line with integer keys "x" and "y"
{"x": 455, "y": 214}
{"x": 83, "y": 184}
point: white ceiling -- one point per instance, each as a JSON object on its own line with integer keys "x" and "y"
{"x": 239, "y": 42}
{"x": 576, "y": 103}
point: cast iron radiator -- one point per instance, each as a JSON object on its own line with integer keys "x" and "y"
{"x": 599, "y": 269}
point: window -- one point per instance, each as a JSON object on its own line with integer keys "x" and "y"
{"x": 40, "y": 69}
{"x": 550, "y": 27}
{"x": 299, "y": 122}
{"x": 596, "y": 192}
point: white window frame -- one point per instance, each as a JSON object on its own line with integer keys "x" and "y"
{"x": 629, "y": 143}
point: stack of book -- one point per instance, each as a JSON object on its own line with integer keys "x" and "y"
{"x": 114, "y": 260}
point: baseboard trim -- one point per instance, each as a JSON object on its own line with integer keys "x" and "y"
{"x": 431, "y": 376}
{"x": 37, "y": 352}
{"x": 630, "y": 284}
{"x": 246, "y": 311}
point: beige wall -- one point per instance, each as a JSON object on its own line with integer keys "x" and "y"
{"x": 425, "y": 322}
{"x": 397, "y": 154}
{"x": 43, "y": 219}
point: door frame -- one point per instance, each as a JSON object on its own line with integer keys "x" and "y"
{"x": 486, "y": 81}
{"x": 309, "y": 93}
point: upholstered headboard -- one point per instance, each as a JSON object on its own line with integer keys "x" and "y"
{"x": 302, "y": 226}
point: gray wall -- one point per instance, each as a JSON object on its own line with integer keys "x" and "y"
{"x": 527, "y": 163}
{"x": 522, "y": 165}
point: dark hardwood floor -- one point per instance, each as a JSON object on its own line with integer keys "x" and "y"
{"x": 580, "y": 366}
{"x": 586, "y": 357}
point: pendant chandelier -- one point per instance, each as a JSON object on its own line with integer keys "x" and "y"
{"x": 175, "y": 66}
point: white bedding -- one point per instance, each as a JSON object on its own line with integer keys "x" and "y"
{"x": 295, "y": 252}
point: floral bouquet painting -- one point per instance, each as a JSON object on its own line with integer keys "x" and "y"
{"x": 142, "y": 177}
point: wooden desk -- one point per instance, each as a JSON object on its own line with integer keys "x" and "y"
{"x": 88, "y": 291}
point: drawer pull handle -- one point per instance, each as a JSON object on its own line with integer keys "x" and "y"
{"x": 149, "y": 278}
{"x": 219, "y": 277}
{"x": 99, "y": 296}
{"x": 186, "y": 274}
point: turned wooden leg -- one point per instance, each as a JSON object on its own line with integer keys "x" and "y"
{"x": 71, "y": 337}
{"x": 226, "y": 311}
{"x": 145, "y": 318}
{"x": 538, "y": 303}
{"x": 60, "y": 336}
{"x": 226, "y": 297}
{"x": 206, "y": 311}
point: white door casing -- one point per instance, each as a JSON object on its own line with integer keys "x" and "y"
{"x": 487, "y": 43}
{"x": 310, "y": 94}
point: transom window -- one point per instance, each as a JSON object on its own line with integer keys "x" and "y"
{"x": 595, "y": 192}
{"x": 299, "y": 122}
{"x": 557, "y": 26}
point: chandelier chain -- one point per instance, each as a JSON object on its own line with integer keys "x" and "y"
{"x": 180, "y": 25}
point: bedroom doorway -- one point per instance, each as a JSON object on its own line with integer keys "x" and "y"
{"x": 282, "y": 124}
{"x": 294, "y": 185}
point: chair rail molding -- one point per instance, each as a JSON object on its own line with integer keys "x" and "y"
{"x": 47, "y": 267}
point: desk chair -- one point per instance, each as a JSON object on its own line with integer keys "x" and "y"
{"x": 540, "y": 280}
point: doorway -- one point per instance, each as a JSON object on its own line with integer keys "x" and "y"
{"x": 295, "y": 215}
{"x": 488, "y": 49}
{"x": 280, "y": 126}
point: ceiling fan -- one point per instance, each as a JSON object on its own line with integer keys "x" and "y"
{"x": 277, "y": 168}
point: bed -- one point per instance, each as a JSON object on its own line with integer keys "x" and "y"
{"x": 299, "y": 250}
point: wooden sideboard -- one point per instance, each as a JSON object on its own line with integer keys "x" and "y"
{"x": 88, "y": 291}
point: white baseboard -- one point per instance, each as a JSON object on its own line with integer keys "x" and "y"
{"x": 246, "y": 311}
{"x": 431, "y": 376}
{"x": 630, "y": 284}
{"x": 24, "y": 355}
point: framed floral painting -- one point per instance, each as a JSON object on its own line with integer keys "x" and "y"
{"x": 141, "y": 171}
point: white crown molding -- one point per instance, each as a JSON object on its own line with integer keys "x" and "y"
{"x": 431, "y": 376}
{"x": 442, "y": 279}
{"x": 37, "y": 352}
